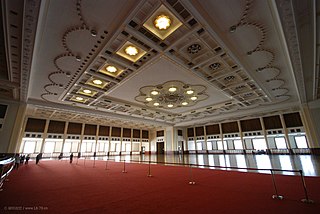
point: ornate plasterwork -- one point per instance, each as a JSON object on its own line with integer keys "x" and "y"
{"x": 172, "y": 94}
{"x": 83, "y": 26}
{"x": 245, "y": 21}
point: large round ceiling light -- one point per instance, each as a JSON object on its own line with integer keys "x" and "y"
{"x": 148, "y": 99}
{"x": 97, "y": 82}
{"x": 156, "y": 104}
{"x": 87, "y": 91}
{"x": 131, "y": 50}
{"x": 194, "y": 98}
{"x": 190, "y": 91}
{"x": 79, "y": 98}
{"x": 111, "y": 69}
{"x": 162, "y": 22}
{"x": 170, "y": 105}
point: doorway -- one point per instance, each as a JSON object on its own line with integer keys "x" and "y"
{"x": 160, "y": 147}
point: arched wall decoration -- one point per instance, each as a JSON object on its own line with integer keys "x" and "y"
{"x": 69, "y": 53}
{"x": 245, "y": 22}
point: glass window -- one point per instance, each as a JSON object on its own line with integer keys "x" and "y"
{"x": 199, "y": 145}
{"x": 101, "y": 147}
{"x": 238, "y": 144}
{"x": 49, "y": 147}
{"x": 280, "y": 143}
{"x": 191, "y": 145}
{"x": 67, "y": 147}
{"x": 301, "y": 142}
{"x": 225, "y": 144}
{"x": 74, "y": 147}
{"x": 209, "y": 145}
{"x": 83, "y": 147}
{"x": 259, "y": 144}
{"x": 220, "y": 146}
{"x": 29, "y": 147}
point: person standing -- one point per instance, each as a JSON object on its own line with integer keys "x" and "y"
{"x": 16, "y": 161}
{"x": 71, "y": 157}
{"x": 27, "y": 159}
{"x": 38, "y": 158}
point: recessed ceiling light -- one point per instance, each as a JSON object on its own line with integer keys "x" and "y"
{"x": 162, "y": 22}
{"x": 184, "y": 103}
{"x": 156, "y": 104}
{"x": 87, "y": 91}
{"x": 97, "y": 82}
{"x": 131, "y": 50}
{"x": 170, "y": 105}
{"x": 172, "y": 89}
{"x": 79, "y": 98}
{"x": 154, "y": 92}
{"x": 148, "y": 99}
{"x": 111, "y": 69}
{"x": 190, "y": 92}
{"x": 194, "y": 98}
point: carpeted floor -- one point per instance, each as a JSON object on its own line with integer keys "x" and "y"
{"x": 60, "y": 187}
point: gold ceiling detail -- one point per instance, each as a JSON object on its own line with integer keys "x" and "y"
{"x": 87, "y": 92}
{"x": 131, "y": 51}
{"x": 162, "y": 23}
{"x": 79, "y": 99}
{"x": 111, "y": 70}
{"x": 96, "y": 82}
{"x": 172, "y": 94}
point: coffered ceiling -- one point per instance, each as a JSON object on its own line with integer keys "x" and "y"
{"x": 238, "y": 57}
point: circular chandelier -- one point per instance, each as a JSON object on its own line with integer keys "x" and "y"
{"x": 172, "y": 94}
{"x": 162, "y": 22}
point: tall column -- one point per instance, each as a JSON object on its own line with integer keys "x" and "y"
{"x": 309, "y": 126}
{"x": 241, "y": 137}
{"x": 45, "y": 133}
{"x": 285, "y": 130}
{"x": 97, "y": 137}
{"x": 65, "y": 135}
{"x": 81, "y": 137}
{"x": 110, "y": 131}
{"x": 140, "y": 144}
{"x": 18, "y": 130}
{"x": 264, "y": 134}
{"x": 205, "y": 139}
{"x": 131, "y": 139}
{"x": 195, "y": 139}
{"x": 121, "y": 138}
{"x": 221, "y": 135}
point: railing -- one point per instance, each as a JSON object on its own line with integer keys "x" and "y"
{"x": 6, "y": 167}
{"x": 192, "y": 181}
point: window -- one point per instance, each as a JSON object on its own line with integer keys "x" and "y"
{"x": 191, "y": 145}
{"x": 220, "y": 146}
{"x": 301, "y": 142}
{"x": 259, "y": 144}
{"x": 238, "y": 144}
{"x": 49, "y": 147}
{"x": 29, "y": 146}
{"x": 67, "y": 147}
{"x": 199, "y": 145}
{"x": 280, "y": 143}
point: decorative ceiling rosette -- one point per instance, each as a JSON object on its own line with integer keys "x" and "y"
{"x": 172, "y": 94}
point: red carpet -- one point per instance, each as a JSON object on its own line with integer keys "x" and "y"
{"x": 60, "y": 187}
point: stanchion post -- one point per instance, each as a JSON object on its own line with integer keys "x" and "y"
{"x": 107, "y": 164}
{"x": 305, "y": 200}
{"x": 149, "y": 170}
{"x": 94, "y": 162}
{"x": 124, "y": 167}
{"x": 276, "y": 196}
{"x": 191, "y": 181}
{"x": 84, "y": 162}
